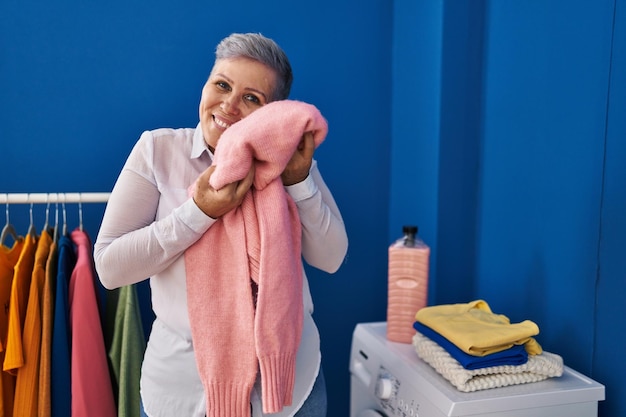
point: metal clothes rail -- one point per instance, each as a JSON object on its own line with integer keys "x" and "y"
{"x": 44, "y": 198}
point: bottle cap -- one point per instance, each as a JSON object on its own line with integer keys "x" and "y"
{"x": 409, "y": 230}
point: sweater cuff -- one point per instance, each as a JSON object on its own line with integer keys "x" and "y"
{"x": 277, "y": 381}
{"x": 226, "y": 399}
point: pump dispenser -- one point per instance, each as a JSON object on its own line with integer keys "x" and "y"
{"x": 408, "y": 284}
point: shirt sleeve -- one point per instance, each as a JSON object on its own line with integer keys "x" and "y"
{"x": 324, "y": 237}
{"x": 132, "y": 245}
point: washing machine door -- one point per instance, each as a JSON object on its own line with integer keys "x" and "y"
{"x": 370, "y": 413}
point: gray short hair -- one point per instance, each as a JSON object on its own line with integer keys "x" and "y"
{"x": 265, "y": 50}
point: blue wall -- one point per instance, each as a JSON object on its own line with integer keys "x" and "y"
{"x": 497, "y": 126}
{"x": 508, "y": 147}
{"x": 544, "y": 139}
{"x": 609, "y": 323}
{"x": 80, "y": 81}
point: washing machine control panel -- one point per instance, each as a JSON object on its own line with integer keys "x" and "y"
{"x": 388, "y": 391}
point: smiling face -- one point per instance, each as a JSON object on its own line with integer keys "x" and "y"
{"x": 235, "y": 88}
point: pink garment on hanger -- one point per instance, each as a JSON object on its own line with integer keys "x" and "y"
{"x": 92, "y": 393}
{"x": 260, "y": 240}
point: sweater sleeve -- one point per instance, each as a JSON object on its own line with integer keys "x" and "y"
{"x": 131, "y": 245}
{"x": 324, "y": 237}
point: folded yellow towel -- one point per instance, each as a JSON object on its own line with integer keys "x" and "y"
{"x": 476, "y": 330}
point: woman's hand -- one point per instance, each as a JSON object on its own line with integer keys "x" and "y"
{"x": 215, "y": 203}
{"x": 298, "y": 167}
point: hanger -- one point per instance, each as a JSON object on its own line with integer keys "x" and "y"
{"x": 45, "y": 226}
{"x": 55, "y": 237}
{"x": 64, "y": 216}
{"x": 8, "y": 229}
{"x": 80, "y": 211}
{"x": 32, "y": 232}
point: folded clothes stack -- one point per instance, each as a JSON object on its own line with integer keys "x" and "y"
{"x": 475, "y": 349}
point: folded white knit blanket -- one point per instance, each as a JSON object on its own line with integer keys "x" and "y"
{"x": 538, "y": 368}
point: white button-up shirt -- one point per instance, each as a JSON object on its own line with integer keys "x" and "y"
{"x": 150, "y": 221}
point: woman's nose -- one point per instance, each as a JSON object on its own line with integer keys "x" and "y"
{"x": 230, "y": 105}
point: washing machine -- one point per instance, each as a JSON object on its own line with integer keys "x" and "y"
{"x": 388, "y": 379}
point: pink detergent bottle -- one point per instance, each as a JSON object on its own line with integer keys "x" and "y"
{"x": 408, "y": 284}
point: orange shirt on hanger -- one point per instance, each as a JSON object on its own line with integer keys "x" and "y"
{"x": 47, "y": 311}
{"x": 8, "y": 260}
{"x": 27, "y": 384}
{"x": 14, "y": 356}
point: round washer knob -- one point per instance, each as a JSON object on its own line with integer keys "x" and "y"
{"x": 384, "y": 388}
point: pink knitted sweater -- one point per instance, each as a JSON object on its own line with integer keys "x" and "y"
{"x": 261, "y": 240}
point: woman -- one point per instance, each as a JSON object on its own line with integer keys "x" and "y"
{"x": 151, "y": 220}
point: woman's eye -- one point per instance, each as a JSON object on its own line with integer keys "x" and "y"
{"x": 223, "y": 85}
{"x": 252, "y": 98}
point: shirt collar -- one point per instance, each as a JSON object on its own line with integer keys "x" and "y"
{"x": 199, "y": 145}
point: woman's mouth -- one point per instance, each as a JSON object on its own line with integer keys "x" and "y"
{"x": 220, "y": 123}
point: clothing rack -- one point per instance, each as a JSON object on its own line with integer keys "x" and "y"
{"x": 44, "y": 198}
